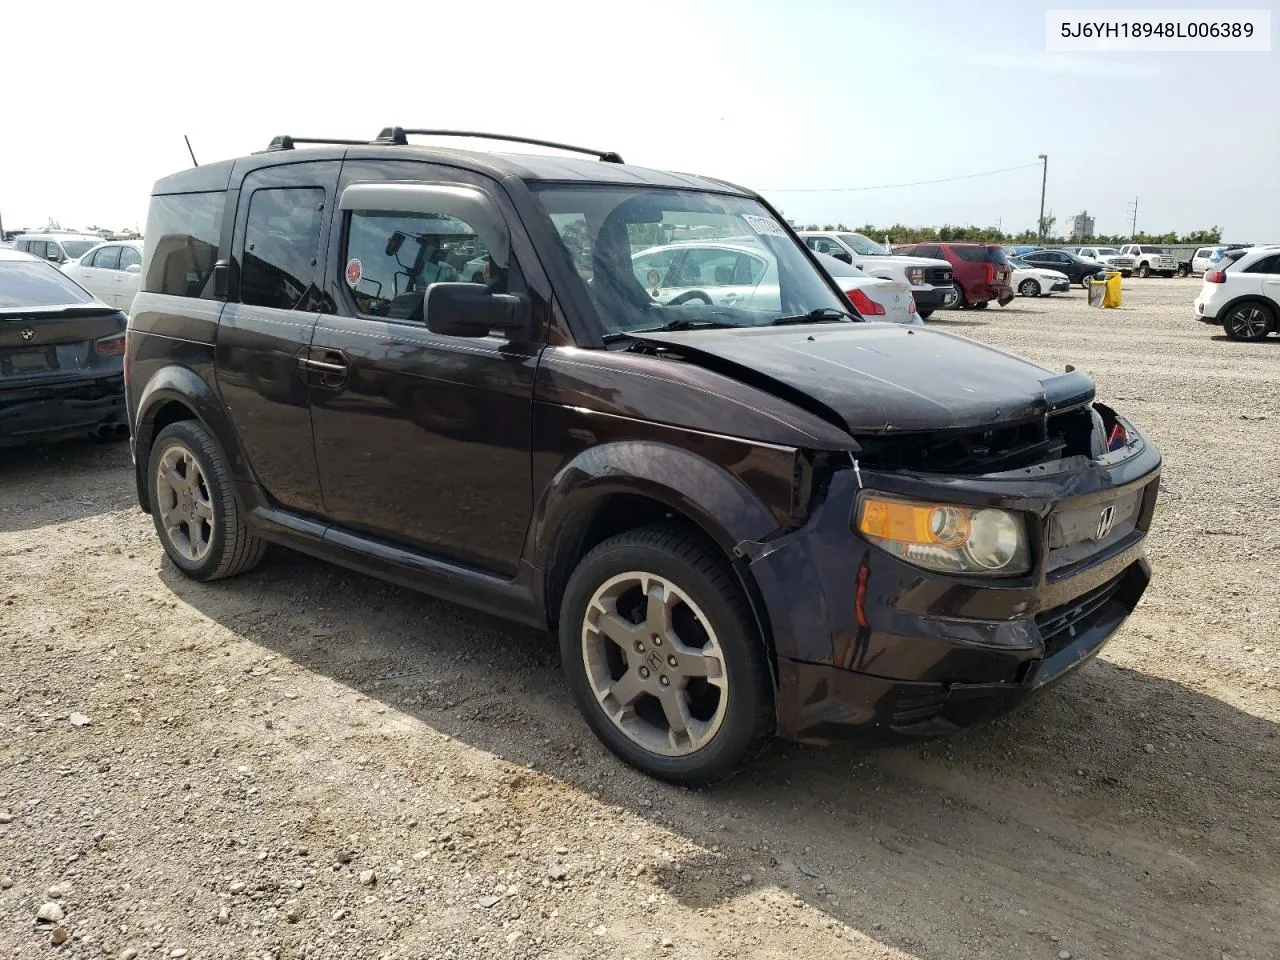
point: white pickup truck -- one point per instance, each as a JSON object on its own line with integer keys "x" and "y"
{"x": 932, "y": 281}
{"x": 1109, "y": 257}
{"x": 1148, "y": 259}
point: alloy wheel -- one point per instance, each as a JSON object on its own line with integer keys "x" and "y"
{"x": 1249, "y": 323}
{"x": 654, "y": 663}
{"x": 186, "y": 509}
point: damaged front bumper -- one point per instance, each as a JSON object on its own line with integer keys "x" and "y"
{"x": 874, "y": 648}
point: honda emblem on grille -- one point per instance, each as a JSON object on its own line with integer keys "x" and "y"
{"x": 1105, "y": 522}
{"x": 28, "y": 334}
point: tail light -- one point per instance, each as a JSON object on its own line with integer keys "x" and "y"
{"x": 991, "y": 273}
{"x": 1215, "y": 276}
{"x": 911, "y": 304}
{"x": 864, "y": 304}
{"x": 112, "y": 346}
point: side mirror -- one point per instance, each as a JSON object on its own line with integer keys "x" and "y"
{"x": 470, "y": 310}
{"x": 133, "y": 268}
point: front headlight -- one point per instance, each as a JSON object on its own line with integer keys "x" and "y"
{"x": 947, "y": 537}
{"x": 915, "y": 275}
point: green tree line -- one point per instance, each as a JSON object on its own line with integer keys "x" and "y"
{"x": 900, "y": 233}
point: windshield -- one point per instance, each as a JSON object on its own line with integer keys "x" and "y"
{"x": 653, "y": 258}
{"x": 76, "y": 249}
{"x": 30, "y": 283}
{"x": 863, "y": 246}
{"x": 1106, "y": 251}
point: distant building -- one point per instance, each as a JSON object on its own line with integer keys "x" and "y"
{"x": 1079, "y": 227}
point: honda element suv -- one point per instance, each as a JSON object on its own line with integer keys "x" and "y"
{"x": 443, "y": 368}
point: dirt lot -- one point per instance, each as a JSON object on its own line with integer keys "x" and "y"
{"x": 307, "y": 763}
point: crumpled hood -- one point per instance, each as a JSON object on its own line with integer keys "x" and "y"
{"x": 875, "y": 377}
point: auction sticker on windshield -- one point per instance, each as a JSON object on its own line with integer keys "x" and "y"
{"x": 354, "y": 272}
{"x": 765, "y": 226}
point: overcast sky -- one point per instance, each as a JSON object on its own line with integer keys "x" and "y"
{"x": 779, "y": 96}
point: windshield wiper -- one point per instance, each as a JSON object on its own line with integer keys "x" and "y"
{"x": 688, "y": 324}
{"x": 821, "y": 315}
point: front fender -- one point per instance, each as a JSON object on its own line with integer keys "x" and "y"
{"x": 182, "y": 385}
{"x": 720, "y": 503}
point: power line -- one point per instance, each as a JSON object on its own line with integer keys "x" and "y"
{"x": 891, "y": 186}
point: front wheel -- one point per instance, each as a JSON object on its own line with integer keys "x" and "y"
{"x": 1184, "y": 271}
{"x": 1144, "y": 271}
{"x": 1248, "y": 322}
{"x": 925, "y": 314}
{"x": 1029, "y": 288}
{"x": 664, "y": 658}
{"x": 194, "y": 506}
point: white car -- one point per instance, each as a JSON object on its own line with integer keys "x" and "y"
{"x": 110, "y": 271}
{"x": 56, "y": 247}
{"x": 725, "y": 273}
{"x": 1108, "y": 257}
{"x": 1032, "y": 281}
{"x": 932, "y": 280}
{"x": 1242, "y": 293}
{"x": 1204, "y": 258}
{"x": 740, "y": 274}
{"x": 889, "y": 301}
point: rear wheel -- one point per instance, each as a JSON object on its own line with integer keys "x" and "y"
{"x": 194, "y": 507}
{"x": 1248, "y": 322}
{"x": 1029, "y": 288}
{"x": 980, "y": 305}
{"x": 664, "y": 658}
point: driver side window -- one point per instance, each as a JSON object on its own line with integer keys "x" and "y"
{"x": 391, "y": 258}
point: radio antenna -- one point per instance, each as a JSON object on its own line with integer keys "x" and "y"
{"x": 194, "y": 162}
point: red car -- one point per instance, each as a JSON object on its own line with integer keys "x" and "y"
{"x": 982, "y": 273}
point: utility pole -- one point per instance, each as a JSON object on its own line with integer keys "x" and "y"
{"x": 1133, "y": 229}
{"x": 1044, "y": 180}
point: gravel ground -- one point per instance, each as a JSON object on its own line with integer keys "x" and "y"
{"x": 304, "y": 762}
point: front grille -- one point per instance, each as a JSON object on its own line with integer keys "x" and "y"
{"x": 938, "y": 276}
{"x": 1061, "y": 625}
{"x": 986, "y": 450}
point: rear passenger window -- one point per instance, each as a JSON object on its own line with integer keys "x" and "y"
{"x": 129, "y": 257}
{"x": 108, "y": 258}
{"x": 282, "y": 238}
{"x": 182, "y": 243}
{"x": 1269, "y": 264}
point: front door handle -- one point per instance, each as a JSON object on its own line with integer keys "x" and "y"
{"x": 329, "y": 372}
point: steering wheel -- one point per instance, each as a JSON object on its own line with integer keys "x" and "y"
{"x": 689, "y": 297}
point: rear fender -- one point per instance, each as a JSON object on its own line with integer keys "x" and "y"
{"x": 175, "y": 384}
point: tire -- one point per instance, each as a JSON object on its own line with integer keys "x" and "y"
{"x": 734, "y": 719}
{"x": 1184, "y": 271}
{"x": 1249, "y": 322}
{"x": 1029, "y": 288}
{"x": 924, "y": 314}
{"x": 980, "y": 305}
{"x": 194, "y": 507}
{"x": 1144, "y": 271}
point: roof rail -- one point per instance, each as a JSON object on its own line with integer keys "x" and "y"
{"x": 399, "y": 135}
{"x": 286, "y": 142}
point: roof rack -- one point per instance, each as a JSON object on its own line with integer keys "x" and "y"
{"x": 286, "y": 142}
{"x": 399, "y": 136}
